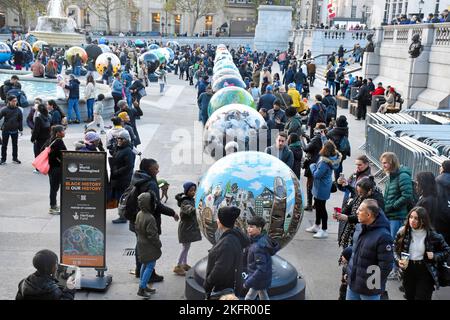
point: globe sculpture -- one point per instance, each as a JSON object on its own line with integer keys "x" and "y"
{"x": 226, "y": 72}
{"x": 139, "y": 43}
{"x": 258, "y": 184}
{"x": 224, "y": 64}
{"x": 233, "y": 123}
{"x": 102, "y": 41}
{"x": 93, "y": 51}
{"x": 102, "y": 62}
{"x": 166, "y": 53}
{"x": 230, "y": 95}
{"x": 153, "y": 46}
{"x": 72, "y": 52}
{"x": 172, "y": 53}
{"x": 160, "y": 55}
{"x": 225, "y": 57}
{"x": 151, "y": 61}
{"x": 22, "y": 45}
{"x": 173, "y": 44}
{"x": 221, "y": 47}
{"x": 228, "y": 81}
{"x": 104, "y": 48}
{"x": 163, "y": 55}
{"x": 5, "y": 52}
{"x": 39, "y": 46}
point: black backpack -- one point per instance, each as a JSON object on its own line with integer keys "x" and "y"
{"x": 2, "y": 92}
{"x": 128, "y": 202}
{"x": 322, "y": 115}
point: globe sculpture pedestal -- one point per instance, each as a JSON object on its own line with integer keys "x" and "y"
{"x": 287, "y": 284}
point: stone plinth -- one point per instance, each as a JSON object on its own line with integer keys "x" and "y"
{"x": 274, "y": 28}
{"x": 60, "y": 39}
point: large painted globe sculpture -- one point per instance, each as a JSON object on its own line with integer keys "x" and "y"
{"x": 171, "y": 53}
{"x": 102, "y": 62}
{"x": 72, "y": 52}
{"x": 166, "y": 53}
{"x": 22, "y": 45}
{"x": 258, "y": 184}
{"x": 150, "y": 60}
{"x": 228, "y": 81}
{"x": 160, "y": 55}
{"x": 93, "y": 51}
{"x": 39, "y": 46}
{"x": 139, "y": 43}
{"x": 153, "y": 46}
{"x": 5, "y": 52}
{"x": 226, "y": 72}
{"x": 233, "y": 123}
{"x": 230, "y": 95}
{"x": 223, "y": 56}
{"x": 105, "y": 48}
{"x": 224, "y": 64}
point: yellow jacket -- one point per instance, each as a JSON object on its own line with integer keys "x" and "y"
{"x": 296, "y": 98}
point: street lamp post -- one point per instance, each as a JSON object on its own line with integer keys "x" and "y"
{"x": 421, "y": 5}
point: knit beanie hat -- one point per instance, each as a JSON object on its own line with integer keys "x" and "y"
{"x": 91, "y": 137}
{"x": 44, "y": 261}
{"x": 187, "y": 186}
{"x": 228, "y": 216}
{"x": 123, "y": 115}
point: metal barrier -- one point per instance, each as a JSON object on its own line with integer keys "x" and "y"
{"x": 429, "y": 118}
{"x": 417, "y": 113}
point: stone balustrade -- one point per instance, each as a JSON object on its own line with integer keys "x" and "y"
{"x": 402, "y": 34}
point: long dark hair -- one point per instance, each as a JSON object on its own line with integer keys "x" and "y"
{"x": 426, "y": 184}
{"x": 424, "y": 222}
{"x": 43, "y": 110}
{"x": 54, "y": 130}
{"x": 56, "y": 107}
{"x": 90, "y": 79}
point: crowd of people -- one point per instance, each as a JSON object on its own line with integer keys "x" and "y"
{"x": 403, "y": 231}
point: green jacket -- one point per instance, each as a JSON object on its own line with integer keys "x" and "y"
{"x": 398, "y": 193}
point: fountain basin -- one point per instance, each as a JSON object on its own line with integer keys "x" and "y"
{"x": 60, "y": 39}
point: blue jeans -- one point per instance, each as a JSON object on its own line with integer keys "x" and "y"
{"x": 332, "y": 84}
{"x": 77, "y": 71}
{"x": 60, "y": 66}
{"x": 146, "y": 273}
{"x": 356, "y": 296}
{"x": 73, "y": 103}
{"x": 395, "y": 226}
{"x": 90, "y": 108}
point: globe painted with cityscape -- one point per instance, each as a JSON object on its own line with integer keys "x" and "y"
{"x": 233, "y": 124}
{"x": 5, "y": 52}
{"x": 226, "y": 72}
{"x": 258, "y": 184}
{"x": 165, "y": 53}
{"x": 223, "y": 56}
{"x": 93, "y": 51}
{"x": 139, "y": 43}
{"x": 83, "y": 240}
{"x": 160, "y": 55}
{"x": 172, "y": 53}
{"x": 153, "y": 46}
{"x": 224, "y": 64}
{"x": 230, "y": 95}
{"x": 228, "y": 81}
{"x": 72, "y": 52}
{"x": 102, "y": 62}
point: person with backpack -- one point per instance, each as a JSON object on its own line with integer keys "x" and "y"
{"x": 317, "y": 115}
{"x": 339, "y": 135}
{"x": 331, "y": 79}
{"x": 330, "y": 105}
{"x": 398, "y": 194}
{"x": 148, "y": 242}
{"x": 443, "y": 191}
{"x": 188, "y": 229}
{"x": 8, "y": 85}
{"x": 259, "y": 259}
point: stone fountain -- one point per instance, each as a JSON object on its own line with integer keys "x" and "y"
{"x": 56, "y": 28}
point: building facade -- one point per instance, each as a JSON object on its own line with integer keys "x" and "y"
{"x": 237, "y": 17}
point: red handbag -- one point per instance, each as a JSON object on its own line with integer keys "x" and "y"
{"x": 41, "y": 162}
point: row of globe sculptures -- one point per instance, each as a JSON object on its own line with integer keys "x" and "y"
{"x": 100, "y": 54}
{"x": 257, "y": 183}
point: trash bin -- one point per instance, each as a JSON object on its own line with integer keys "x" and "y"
{"x": 342, "y": 102}
{"x": 377, "y": 101}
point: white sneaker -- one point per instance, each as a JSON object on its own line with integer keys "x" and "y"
{"x": 321, "y": 234}
{"x": 313, "y": 229}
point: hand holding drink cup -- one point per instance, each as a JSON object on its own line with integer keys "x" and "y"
{"x": 403, "y": 262}
{"x": 337, "y": 215}
{"x": 342, "y": 180}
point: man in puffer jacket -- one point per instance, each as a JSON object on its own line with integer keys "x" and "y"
{"x": 372, "y": 254}
{"x": 259, "y": 260}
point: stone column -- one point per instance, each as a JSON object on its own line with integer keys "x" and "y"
{"x": 371, "y": 62}
{"x": 273, "y": 28}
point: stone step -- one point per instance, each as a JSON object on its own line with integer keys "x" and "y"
{"x": 433, "y": 98}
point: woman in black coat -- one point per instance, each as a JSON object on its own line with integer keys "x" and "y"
{"x": 418, "y": 251}
{"x": 296, "y": 148}
{"x": 312, "y": 150}
{"x": 336, "y": 135}
{"x": 122, "y": 165}
{"x": 426, "y": 190}
{"x": 41, "y": 130}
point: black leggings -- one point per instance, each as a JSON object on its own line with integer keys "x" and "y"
{"x": 321, "y": 213}
{"x": 54, "y": 175}
{"x": 418, "y": 283}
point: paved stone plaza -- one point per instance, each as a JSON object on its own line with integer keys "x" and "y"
{"x": 26, "y": 226}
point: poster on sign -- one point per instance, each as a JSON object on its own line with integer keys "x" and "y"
{"x": 83, "y": 209}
